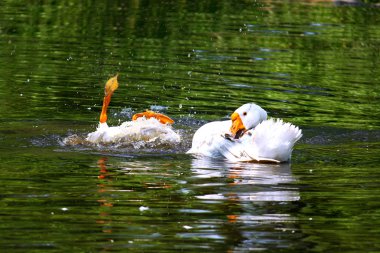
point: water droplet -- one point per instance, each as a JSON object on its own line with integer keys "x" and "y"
{"x": 143, "y": 208}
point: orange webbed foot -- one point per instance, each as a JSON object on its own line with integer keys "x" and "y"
{"x": 150, "y": 114}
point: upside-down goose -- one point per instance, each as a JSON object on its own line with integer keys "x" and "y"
{"x": 146, "y": 126}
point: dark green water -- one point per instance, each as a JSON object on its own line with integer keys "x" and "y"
{"x": 313, "y": 64}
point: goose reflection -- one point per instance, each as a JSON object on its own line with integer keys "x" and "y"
{"x": 252, "y": 196}
{"x": 105, "y": 203}
{"x": 268, "y": 180}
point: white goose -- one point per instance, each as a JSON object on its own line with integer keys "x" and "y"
{"x": 147, "y": 126}
{"x": 248, "y": 136}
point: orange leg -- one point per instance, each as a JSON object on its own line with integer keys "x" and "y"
{"x": 109, "y": 88}
{"x": 103, "y": 114}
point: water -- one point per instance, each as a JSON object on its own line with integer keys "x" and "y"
{"x": 313, "y": 64}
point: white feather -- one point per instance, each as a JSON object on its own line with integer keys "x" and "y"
{"x": 272, "y": 140}
{"x": 208, "y": 137}
{"x": 142, "y": 129}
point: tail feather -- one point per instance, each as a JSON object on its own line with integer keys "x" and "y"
{"x": 275, "y": 139}
{"x": 271, "y": 141}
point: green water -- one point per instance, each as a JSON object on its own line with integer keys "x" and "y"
{"x": 313, "y": 64}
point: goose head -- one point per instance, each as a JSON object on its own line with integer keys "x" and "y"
{"x": 246, "y": 117}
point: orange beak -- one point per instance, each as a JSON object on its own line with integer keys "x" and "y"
{"x": 237, "y": 129}
{"x": 150, "y": 114}
{"x": 109, "y": 88}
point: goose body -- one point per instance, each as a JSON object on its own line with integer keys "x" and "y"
{"x": 141, "y": 129}
{"x": 208, "y": 137}
{"x": 248, "y": 136}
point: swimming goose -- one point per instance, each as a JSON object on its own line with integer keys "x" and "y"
{"x": 248, "y": 136}
{"x": 146, "y": 126}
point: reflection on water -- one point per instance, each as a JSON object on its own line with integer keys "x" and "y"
{"x": 255, "y": 175}
{"x": 220, "y": 204}
{"x": 105, "y": 202}
{"x": 251, "y": 189}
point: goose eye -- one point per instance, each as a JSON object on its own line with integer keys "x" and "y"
{"x": 244, "y": 113}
